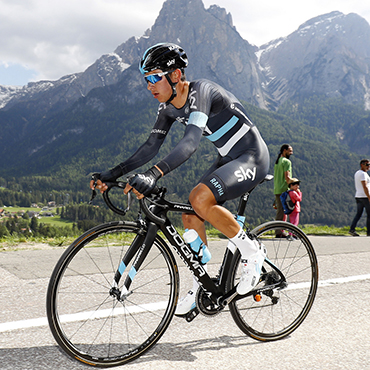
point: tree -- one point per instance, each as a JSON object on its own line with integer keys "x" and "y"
{"x": 3, "y": 231}
{"x": 34, "y": 225}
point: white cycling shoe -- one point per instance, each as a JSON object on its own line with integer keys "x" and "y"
{"x": 186, "y": 304}
{"x": 251, "y": 270}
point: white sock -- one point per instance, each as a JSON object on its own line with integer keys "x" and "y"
{"x": 246, "y": 245}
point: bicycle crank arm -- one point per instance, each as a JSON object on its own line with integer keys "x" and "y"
{"x": 227, "y": 298}
{"x": 191, "y": 315}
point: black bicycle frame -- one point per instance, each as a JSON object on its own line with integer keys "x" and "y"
{"x": 156, "y": 219}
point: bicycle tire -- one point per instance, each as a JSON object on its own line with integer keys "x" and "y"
{"x": 279, "y": 312}
{"x": 93, "y": 326}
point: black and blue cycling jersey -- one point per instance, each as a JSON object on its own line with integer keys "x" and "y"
{"x": 212, "y": 112}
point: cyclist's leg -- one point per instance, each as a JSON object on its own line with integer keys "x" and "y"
{"x": 195, "y": 222}
{"x": 229, "y": 181}
{"x": 187, "y": 303}
{"x": 206, "y": 206}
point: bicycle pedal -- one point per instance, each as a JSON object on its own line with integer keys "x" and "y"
{"x": 191, "y": 315}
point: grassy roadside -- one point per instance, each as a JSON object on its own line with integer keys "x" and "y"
{"x": 330, "y": 230}
{"x": 13, "y": 243}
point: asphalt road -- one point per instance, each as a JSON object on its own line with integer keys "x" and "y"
{"x": 335, "y": 335}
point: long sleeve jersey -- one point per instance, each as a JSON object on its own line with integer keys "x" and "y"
{"x": 209, "y": 111}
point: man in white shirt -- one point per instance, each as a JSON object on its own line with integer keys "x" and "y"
{"x": 362, "y": 184}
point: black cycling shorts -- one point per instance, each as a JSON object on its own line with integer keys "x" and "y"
{"x": 229, "y": 178}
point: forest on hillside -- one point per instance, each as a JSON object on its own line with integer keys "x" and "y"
{"x": 322, "y": 160}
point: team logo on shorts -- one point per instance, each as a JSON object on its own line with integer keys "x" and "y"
{"x": 218, "y": 186}
{"x": 248, "y": 174}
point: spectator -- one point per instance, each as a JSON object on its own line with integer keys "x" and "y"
{"x": 362, "y": 196}
{"x": 282, "y": 176}
{"x": 296, "y": 196}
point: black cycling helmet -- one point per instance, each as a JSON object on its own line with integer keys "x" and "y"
{"x": 163, "y": 56}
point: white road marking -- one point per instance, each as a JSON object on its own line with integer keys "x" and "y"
{"x": 42, "y": 321}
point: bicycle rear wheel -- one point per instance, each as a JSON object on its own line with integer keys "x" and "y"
{"x": 93, "y": 325}
{"x": 281, "y": 310}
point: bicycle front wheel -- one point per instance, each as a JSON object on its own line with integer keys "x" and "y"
{"x": 88, "y": 319}
{"x": 280, "y": 310}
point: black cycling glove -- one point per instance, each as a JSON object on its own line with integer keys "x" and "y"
{"x": 145, "y": 182}
{"x": 111, "y": 175}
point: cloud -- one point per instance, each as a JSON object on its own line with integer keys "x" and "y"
{"x": 56, "y": 38}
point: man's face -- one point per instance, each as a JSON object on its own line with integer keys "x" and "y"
{"x": 288, "y": 152}
{"x": 160, "y": 90}
{"x": 365, "y": 166}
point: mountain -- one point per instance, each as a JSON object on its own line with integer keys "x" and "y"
{"x": 208, "y": 38}
{"x": 54, "y": 133}
{"x": 328, "y": 55}
{"x": 58, "y": 95}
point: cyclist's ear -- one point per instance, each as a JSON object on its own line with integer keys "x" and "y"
{"x": 176, "y": 75}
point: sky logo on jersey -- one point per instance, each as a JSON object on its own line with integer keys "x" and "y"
{"x": 247, "y": 174}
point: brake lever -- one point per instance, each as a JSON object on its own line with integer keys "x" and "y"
{"x": 93, "y": 192}
{"x": 93, "y": 195}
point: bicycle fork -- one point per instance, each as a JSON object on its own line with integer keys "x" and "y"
{"x": 139, "y": 247}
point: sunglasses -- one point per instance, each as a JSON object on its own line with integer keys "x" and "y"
{"x": 294, "y": 183}
{"x": 154, "y": 78}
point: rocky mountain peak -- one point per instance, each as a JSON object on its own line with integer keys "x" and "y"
{"x": 326, "y": 55}
{"x": 215, "y": 49}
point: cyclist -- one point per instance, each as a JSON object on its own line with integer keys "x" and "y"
{"x": 206, "y": 109}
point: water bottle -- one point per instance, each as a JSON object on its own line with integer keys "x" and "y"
{"x": 192, "y": 238}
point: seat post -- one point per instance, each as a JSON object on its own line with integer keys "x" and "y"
{"x": 243, "y": 203}
{"x": 244, "y": 198}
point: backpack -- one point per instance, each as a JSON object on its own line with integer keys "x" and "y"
{"x": 287, "y": 202}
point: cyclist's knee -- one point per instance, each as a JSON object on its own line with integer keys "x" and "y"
{"x": 188, "y": 218}
{"x": 201, "y": 198}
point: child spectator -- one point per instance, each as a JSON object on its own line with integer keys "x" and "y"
{"x": 296, "y": 197}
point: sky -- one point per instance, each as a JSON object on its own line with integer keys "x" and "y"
{"x": 48, "y": 39}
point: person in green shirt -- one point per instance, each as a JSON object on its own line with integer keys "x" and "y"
{"x": 282, "y": 175}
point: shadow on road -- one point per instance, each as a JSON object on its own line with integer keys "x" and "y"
{"x": 51, "y": 357}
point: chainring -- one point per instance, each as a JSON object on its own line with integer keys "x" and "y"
{"x": 205, "y": 305}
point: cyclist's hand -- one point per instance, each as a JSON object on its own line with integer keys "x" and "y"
{"x": 99, "y": 179}
{"x": 129, "y": 188}
{"x": 98, "y": 184}
{"x": 145, "y": 182}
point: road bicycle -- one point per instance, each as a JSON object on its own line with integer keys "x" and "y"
{"x": 114, "y": 291}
